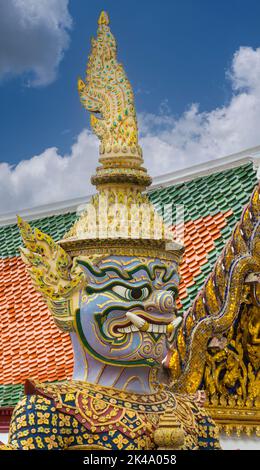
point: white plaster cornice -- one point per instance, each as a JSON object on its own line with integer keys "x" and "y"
{"x": 47, "y": 210}
{"x": 209, "y": 167}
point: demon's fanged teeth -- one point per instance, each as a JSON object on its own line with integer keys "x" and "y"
{"x": 159, "y": 329}
{"x": 128, "y": 329}
{"x": 139, "y": 324}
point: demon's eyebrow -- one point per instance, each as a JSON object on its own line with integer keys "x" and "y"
{"x": 102, "y": 272}
{"x": 109, "y": 283}
{"x": 124, "y": 272}
{"x": 127, "y": 270}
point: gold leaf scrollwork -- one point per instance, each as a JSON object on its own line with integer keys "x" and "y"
{"x": 53, "y": 273}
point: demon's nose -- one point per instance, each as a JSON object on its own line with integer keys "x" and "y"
{"x": 160, "y": 301}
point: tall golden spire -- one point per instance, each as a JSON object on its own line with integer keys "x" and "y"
{"x": 120, "y": 219}
{"x": 108, "y": 95}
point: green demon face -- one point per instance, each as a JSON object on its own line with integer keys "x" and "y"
{"x": 127, "y": 310}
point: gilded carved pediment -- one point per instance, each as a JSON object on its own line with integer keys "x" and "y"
{"x": 217, "y": 347}
{"x": 232, "y": 377}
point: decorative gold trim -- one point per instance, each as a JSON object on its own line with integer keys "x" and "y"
{"x": 121, "y": 247}
{"x": 236, "y": 420}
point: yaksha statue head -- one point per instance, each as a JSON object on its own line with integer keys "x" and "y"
{"x": 113, "y": 279}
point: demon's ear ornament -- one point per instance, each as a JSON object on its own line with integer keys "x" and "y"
{"x": 53, "y": 274}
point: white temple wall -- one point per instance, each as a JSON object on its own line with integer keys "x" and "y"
{"x": 239, "y": 443}
{"x": 3, "y": 437}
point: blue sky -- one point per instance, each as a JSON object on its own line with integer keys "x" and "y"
{"x": 177, "y": 54}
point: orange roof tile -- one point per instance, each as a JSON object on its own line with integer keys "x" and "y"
{"x": 30, "y": 343}
{"x": 207, "y": 230}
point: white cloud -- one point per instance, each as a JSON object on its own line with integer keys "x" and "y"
{"x": 33, "y": 38}
{"x": 49, "y": 177}
{"x": 168, "y": 143}
{"x": 200, "y": 136}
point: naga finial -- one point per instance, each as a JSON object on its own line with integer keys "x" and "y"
{"x": 109, "y": 97}
{"x": 103, "y": 18}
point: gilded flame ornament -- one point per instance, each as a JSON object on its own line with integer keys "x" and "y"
{"x": 108, "y": 95}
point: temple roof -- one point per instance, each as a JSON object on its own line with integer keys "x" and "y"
{"x": 30, "y": 343}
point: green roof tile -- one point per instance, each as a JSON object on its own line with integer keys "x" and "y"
{"x": 210, "y": 194}
{"x": 10, "y": 394}
{"x": 55, "y": 226}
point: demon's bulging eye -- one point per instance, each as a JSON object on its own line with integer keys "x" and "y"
{"x": 133, "y": 293}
